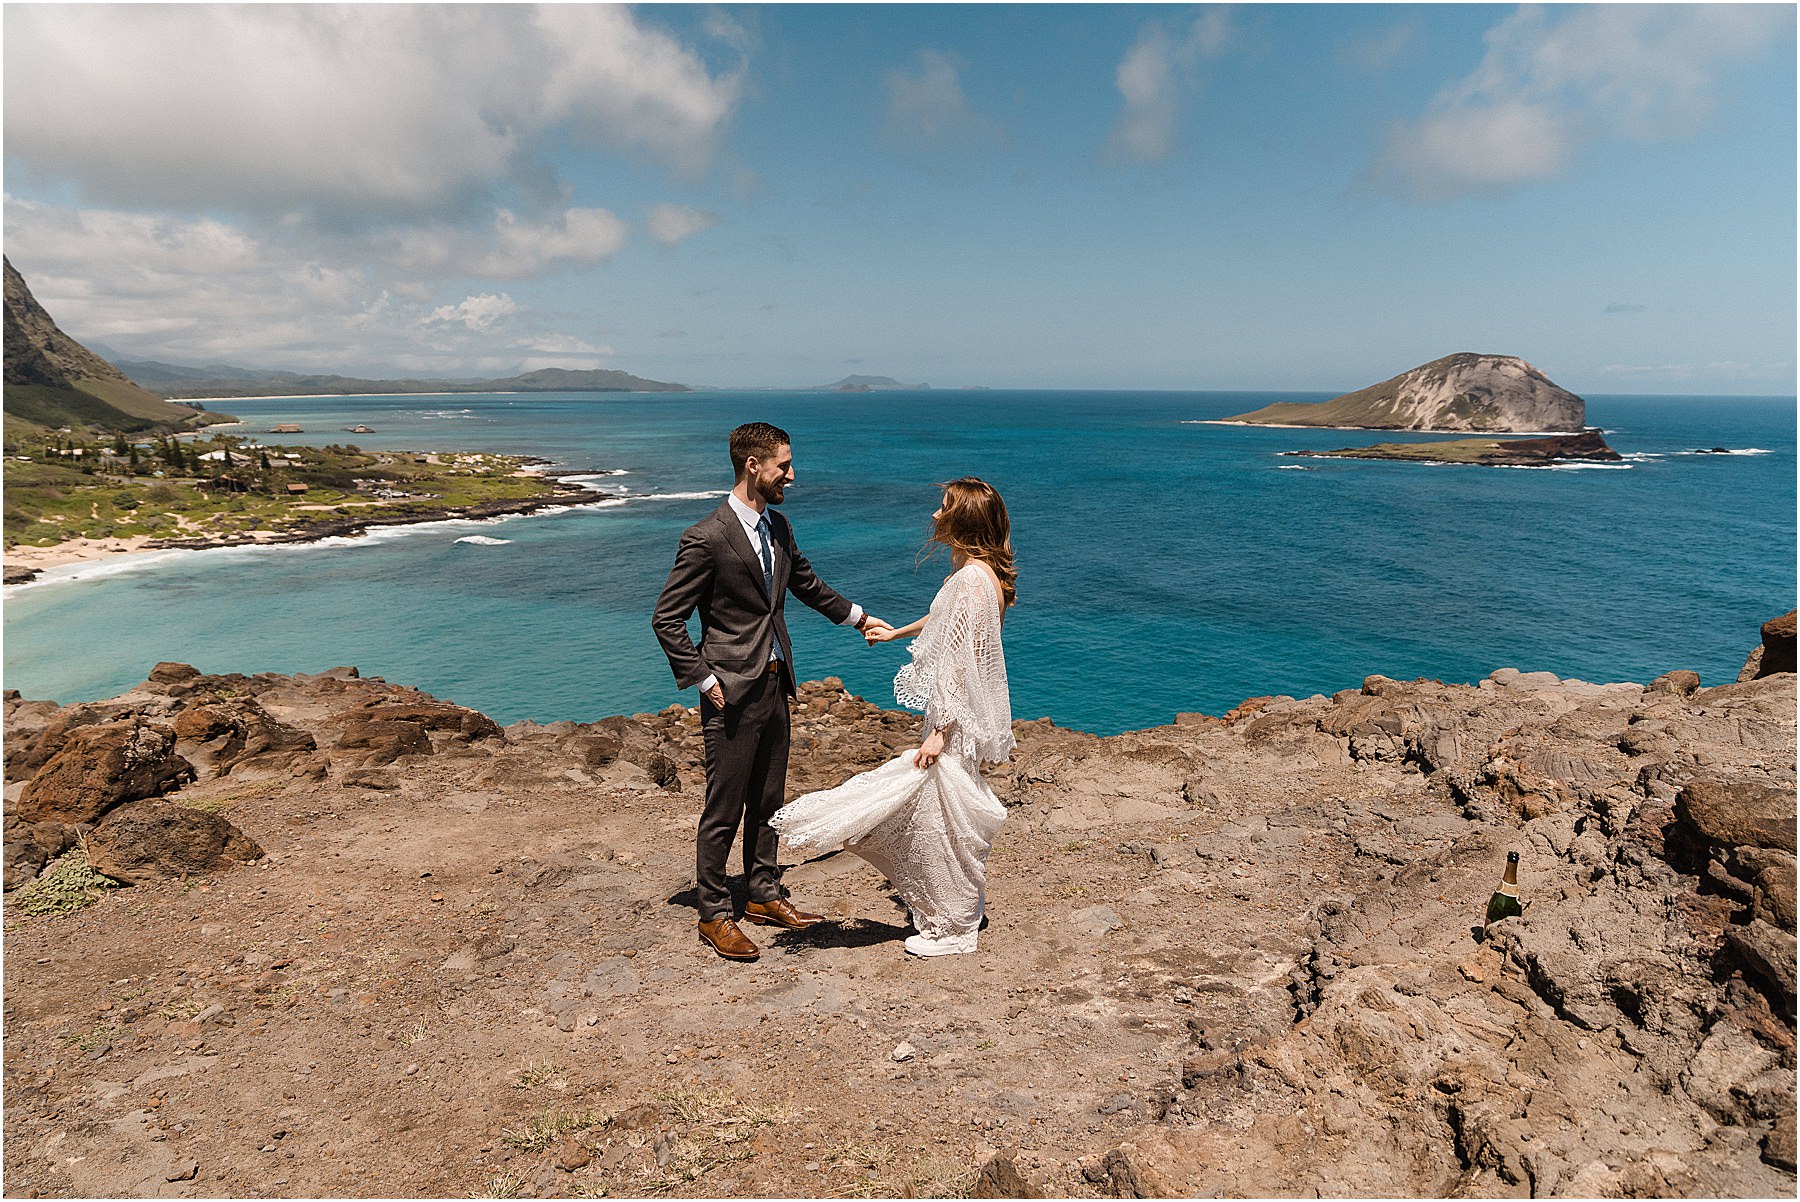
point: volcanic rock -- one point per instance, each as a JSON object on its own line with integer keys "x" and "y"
{"x": 1738, "y": 813}
{"x": 100, "y": 767}
{"x": 148, "y": 840}
{"x": 1776, "y": 654}
{"x": 384, "y": 740}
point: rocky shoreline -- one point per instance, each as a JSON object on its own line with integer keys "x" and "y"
{"x": 376, "y": 943}
{"x": 1588, "y": 446}
{"x": 351, "y": 526}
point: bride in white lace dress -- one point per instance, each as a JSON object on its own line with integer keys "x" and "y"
{"x": 926, "y": 819}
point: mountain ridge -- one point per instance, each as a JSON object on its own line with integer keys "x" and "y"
{"x": 1465, "y": 391}
{"x": 53, "y": 381}
{"x": 225, "y": 381}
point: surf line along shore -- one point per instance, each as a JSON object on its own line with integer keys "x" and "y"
{"x": 25, "y": 564}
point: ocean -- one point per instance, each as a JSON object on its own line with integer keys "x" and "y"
{"x": 1165, "y": 563}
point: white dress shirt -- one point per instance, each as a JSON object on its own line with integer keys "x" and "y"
{"x": 751, "y": 520}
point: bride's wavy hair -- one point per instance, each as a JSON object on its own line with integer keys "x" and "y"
{"x": 974, "y": 522}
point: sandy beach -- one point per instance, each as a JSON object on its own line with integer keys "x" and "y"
{"x": 74, "y": 550}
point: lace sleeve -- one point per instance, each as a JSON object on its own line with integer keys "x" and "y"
{"x": 958, "y": 673}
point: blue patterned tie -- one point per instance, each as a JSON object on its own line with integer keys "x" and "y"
{"x": 768, "y": 561}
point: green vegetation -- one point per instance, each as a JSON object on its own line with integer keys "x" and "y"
{"x": 66, "y": 885}
{"x": 545, "y": 1129}
{"x": 62, "y": 485}
{"x": 536, "y": 1074}
{"x": 1492, "y": 452}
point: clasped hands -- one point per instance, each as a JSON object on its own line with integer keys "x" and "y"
{"x": 875, "y": 630}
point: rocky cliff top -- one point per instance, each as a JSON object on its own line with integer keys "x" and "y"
{"x": 1493, "y": 394}
{"x": 1230, "y": 955}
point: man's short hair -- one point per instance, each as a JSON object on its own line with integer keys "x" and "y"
{"x": 755, "y": 438}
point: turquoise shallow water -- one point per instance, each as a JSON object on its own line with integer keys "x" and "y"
{"x": 1166, "y": 564}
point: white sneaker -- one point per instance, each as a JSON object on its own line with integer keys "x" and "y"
{"x": 948, "y": 945}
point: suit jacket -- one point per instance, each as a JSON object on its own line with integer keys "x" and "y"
{"x": 719, "y": 572}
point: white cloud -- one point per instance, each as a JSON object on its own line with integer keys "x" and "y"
{"x": 204, "y": 291}
{"x": 509, "y": 249}
{"x": 1737, "y": 372}
{"x": 1556, "y": 80}
{"x": 670, "y": 224}
{"x": 927, "y": 109}
{"x": 475, "y": 312}
{"x": 1159, "y": 70}
{"x": 345, "y": 111}
{"x": 561, "y": 344}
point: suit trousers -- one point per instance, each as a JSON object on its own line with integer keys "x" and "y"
{"x": 746, "y": 776}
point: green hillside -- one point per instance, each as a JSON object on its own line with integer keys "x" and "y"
{"x": 52, "y": 381}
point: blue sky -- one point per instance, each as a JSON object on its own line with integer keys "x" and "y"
{"x": 1139, "y": 196}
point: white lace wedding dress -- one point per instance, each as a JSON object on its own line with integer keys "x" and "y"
{"x": 929, "y": 830}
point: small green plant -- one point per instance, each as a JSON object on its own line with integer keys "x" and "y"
{"x": 717, "y": 1107}
{"x": 65, "y": 885}
{"x": 180, "y": 1011}
{"x": 503, "y": 1185}
{"x": 89, "y": 1040}
{"x": 536, "y": 1074}
{"x": 695, "y": 1104}
{"x": 926, "y": 1177}
{"x": 545, "y": 1129}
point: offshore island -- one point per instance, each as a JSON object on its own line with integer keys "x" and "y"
{"x": 1470, "y": 393}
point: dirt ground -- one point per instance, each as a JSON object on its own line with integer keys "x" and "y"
{"x": 475, "y": 973}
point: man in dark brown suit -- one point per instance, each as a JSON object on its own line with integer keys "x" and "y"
{"x": 736, "y": 566}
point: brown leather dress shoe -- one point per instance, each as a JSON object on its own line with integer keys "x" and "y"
{"x": 781, "y": 913}
{"x": 727, "y": 940}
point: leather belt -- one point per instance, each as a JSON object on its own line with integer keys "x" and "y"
{"x": 774, "y": 665}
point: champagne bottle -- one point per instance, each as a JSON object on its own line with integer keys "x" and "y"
{"x": 1505, "y": 902}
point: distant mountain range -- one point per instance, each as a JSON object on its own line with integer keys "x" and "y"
{"x": 53, "y": 381}
{"x": 1489, "y": 394}
{"x": 223, "y": 380}
{"x": 866, "y": 384}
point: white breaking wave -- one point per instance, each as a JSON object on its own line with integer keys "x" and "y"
{"x": 374, "y": 536}
{"x": 1569, "y": 467}
{"x": 482, "y": 540}
{"x": 1728, "y": 451}
{"x": 591, "y": 481}
{"x": 113, "y": 565}
{"x": 1293, "y": 467}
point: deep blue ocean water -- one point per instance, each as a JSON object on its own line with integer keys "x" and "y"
{"x": 1166, "y": 564}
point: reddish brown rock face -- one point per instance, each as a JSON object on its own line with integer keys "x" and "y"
{"x": 146, "y": 841}
{"x": 1734, "y": 814}
{"x": 1778, "y": 645}
{"x": 100, "y": 767}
